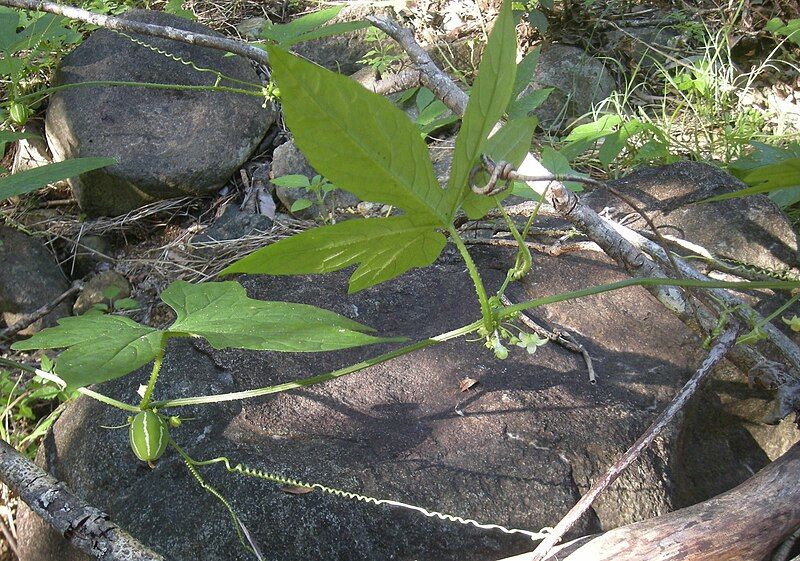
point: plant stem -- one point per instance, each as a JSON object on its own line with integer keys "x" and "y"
{"x": 185, "y": 87}
{"x": 157, "y": 362}
{"x": 108, "y": 400}
{"x": 182, "y": 402}
{"x": 776, "y": 285}
{"x": 486, "y": 310}
{"x": 523, "y": 261}
{"x": 62, "y": 384}
{"x": 780, "y": 310}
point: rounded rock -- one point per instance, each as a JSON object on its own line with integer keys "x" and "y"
{"x": 167, "y": 142}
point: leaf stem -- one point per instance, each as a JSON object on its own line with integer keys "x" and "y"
{"x": 780, "y": 310}
{"x": 58, "y": 381}
{"x": 523, "y": 260}
{"x": 486, "y": 309}
{"x": 185, "y": 87}
{"x": 511, "y": 310}
{"x": 157, "y": 362}
{"x": 182, "y": 402}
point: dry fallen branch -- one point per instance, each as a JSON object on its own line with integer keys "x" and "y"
{"x": 722, "y": 347}
{"x": 165, "y": 32}
{"x": 82, "y": 525}
{"x": 744, "y": 524}
{"x": 34, "y": 316}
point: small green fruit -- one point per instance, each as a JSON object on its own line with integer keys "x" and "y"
{"x": 149, "y": 436}
{"x": 19, "y": 113}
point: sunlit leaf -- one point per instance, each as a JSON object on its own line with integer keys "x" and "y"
{"x": 487, "y": 103}
{"x": 383, "y": 247}
{"x": 222, "y": 313}
{"x": 99, "y": 347}
{"x": 32, "y": 179}
{"x": 767, "y": 179}
{"x": 357, "y": 139}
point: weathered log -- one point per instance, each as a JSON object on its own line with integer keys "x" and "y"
{"x": 744, "y": 524}
{"x": 84, "y": 526}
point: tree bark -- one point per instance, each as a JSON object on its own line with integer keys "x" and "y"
{"x": 744, "y": 524}
{"x": 82, "y": 525}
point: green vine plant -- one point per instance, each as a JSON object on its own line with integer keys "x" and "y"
{"x": 362, "y": 143}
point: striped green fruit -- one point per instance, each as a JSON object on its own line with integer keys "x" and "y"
{"x": 149, "y": 436}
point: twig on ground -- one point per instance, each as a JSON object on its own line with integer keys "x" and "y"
{"x": 82, "y": 525}
{"x": 29, "y": 319}
{"x": 554, "y": 250}
{"x": 10, "y": 539}
{"x": 723, "y": 345}
{"x": 392, "y": 83}
{"x": 559, "y": 337}
{"x": 747, "y": 522}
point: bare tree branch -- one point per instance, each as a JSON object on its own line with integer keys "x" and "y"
{"x": 82, "y": 525}
{"x": 747, "y": 522}
{"x": 28, "y": 319}
{"x": 723, "y": 345}
{"x": 165, "y": 32}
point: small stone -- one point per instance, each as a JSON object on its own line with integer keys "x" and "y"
{"x": 89, "y": 255}
{"x": 32, "y": 152}
{"x": 99, "y": 290}
{"x": 251, "y": 28}
{"x": 234, "y": 224}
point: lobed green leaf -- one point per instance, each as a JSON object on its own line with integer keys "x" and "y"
{"x": 487, "y": 102}
{"x": 222, "y": 313}
{"x": 99, "y": 347}
{"x": 384, "y": 248}
{"x": 357, "y": 139}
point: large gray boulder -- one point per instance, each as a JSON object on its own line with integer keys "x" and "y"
{"x": 29, "y": 279}
{"x": 580, "y": 81}
{"x": 517, "y": 449}
{"x": 168, "y": 142}
{"x": 752, "y": 230}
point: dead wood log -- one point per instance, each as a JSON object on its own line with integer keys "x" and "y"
{"x": 744, "y": 524}
{"x": 85, "y": 527}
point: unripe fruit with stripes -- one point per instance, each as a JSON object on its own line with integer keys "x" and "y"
{"x": 149, "y": 436}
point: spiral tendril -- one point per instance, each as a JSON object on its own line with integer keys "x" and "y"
{"x": 276, "y": 478}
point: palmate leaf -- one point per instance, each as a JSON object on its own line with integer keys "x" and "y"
{"x": 384, "y": 248}
{"x": 104, "y": 347}
{"x": 32, "y": 179}
{"x": 221, "y": 313}
{"x": 487, "y": 102}
{"x": 100, "y": 347}
{"x": 357, "y": 139}
{"x": 364, "y": 144}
